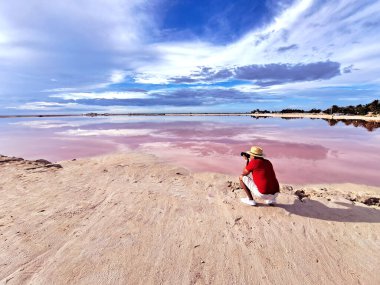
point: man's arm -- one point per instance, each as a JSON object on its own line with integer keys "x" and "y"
{"x": 245, "y": 172}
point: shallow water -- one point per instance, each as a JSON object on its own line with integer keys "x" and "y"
{"x": 301, "y": 150}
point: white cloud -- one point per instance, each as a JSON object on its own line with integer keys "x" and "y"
{"x": 176, "y": 58}
{"x": 61, "y": 89}
{"x": 335, "y": 31}
{"x": 101, "y": 95}
{"x": 114, "y": 22}
{"x": 78, "y": 43}
{"x": 44, "y": 106}
{"x": 290, "y": 16}
{"x": 117, "y": 76}
{"x": 3, "y": 38}
{"x": 181, "y": 58}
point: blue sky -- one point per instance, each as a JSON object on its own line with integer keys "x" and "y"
{"x": 80, "y": 56}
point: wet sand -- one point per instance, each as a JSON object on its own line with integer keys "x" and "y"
{"x": 128, "y": 218}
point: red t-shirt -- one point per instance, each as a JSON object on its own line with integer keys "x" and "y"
{"x": 263, "y": 176}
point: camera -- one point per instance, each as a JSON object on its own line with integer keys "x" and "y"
{"x": 245, "y": 154}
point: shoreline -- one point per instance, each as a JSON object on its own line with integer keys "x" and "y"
{"x": 264, "y": 115}
{"x": 350, "y": 185}
{"x": 288, "y": 186}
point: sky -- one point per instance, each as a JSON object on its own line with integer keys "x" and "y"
{"x": 122, "y": 56}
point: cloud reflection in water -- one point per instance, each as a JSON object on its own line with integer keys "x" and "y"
{"x": 302, "y": 151}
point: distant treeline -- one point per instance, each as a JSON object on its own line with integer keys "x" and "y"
{"x": 371, "y": 108}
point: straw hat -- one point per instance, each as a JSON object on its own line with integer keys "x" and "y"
{"x": 256, "y": 151}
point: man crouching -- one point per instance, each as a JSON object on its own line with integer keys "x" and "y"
{"x": 264, "y": 184}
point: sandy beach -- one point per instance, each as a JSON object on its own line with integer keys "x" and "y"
{"x": 129, "y": 218}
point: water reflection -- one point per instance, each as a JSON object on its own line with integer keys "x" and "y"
{"x": 368, "y": 125}
{"x": 302, "y": 151}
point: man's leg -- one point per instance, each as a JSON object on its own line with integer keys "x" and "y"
{"x": 270, "y": 199}
{"x": 245, "y": 188}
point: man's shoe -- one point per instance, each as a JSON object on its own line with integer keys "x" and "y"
{"x": 248, "y": 202}
{"x": 270, "y": 202}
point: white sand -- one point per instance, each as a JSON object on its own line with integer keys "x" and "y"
{"x": 128, "y": 219}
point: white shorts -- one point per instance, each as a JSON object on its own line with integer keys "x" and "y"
{"x": 255, "y": 192}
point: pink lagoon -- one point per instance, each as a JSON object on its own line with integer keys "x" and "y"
{"x": 303, "y": 151}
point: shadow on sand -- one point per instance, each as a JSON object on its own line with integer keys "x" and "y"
{"x": 349, "y": 214}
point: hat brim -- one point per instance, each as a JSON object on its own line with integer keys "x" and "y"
{"x": 255, "y": 154}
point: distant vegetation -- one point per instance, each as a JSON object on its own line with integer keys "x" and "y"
{"x": 371, "y": 108}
